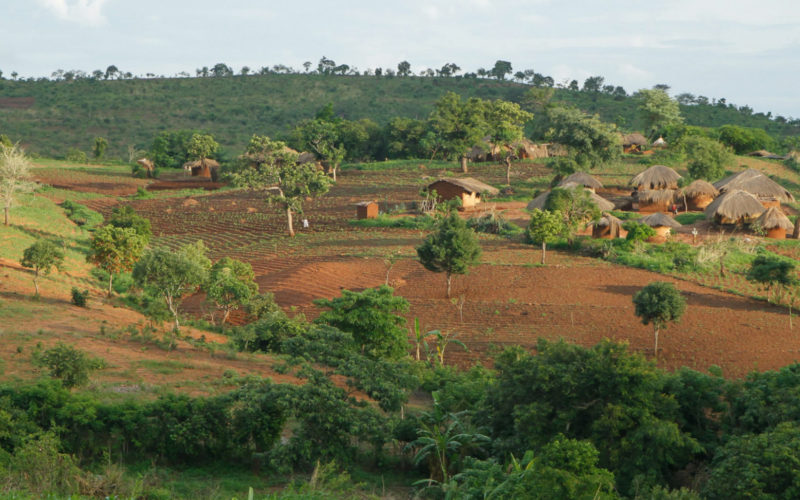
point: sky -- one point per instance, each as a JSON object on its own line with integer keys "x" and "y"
{"x": 745, "y": 51}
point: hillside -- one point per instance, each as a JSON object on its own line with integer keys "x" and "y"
{"x": 49, "y": 117}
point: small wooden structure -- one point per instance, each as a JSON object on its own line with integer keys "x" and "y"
{"x": 467, "y": 189}
{"x": 633, "y": 143}
{"x": 201, "y": 167}
{"x": 735, "y": 207}
{"x": 366, "y": 210}
{"x": 654, "y": 200}
{"x": 656, "y": 177}
{"x": 661, "y": 222}
{"x": 775, "y": 223}
{"x": 698, "y": 195}
{"x": 607, "y": 227}
{"x": 582, "y": 179}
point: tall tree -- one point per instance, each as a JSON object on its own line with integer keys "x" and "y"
{"x": 501, "y": 69}
{"x": 403, "y": 68}
{"x": 590, "y": 141}
{"x": 322, "y": 136}
{"x": 100, "y": 146}
{"x": 459, "y": 125}
{"x": 504, "y": 122}
{"x": 15, "y": 177}
{"x": 452, "y": 248}
{"x": 201, "y": 146}
{"x": 115, "y": 250}
{"x": 269, "y": 166}
{"x": 659, "y": 303}
{"x": 42, "y": 256}
{"x": 230, "y": 285}
{"x": 658, "y": 109}
{"x": 707, "y": 158}
{"x": 545, "y": 227}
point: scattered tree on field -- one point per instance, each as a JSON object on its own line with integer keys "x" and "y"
{"x": 270, "y": 167}
{"x": 777, "y": 275}
{"x": 458, "y": 125}
{"x": 230, "y": 285}
{"x": 15, "y": 177}
{"x": 171, "y": 274}
{"x": 545, "y": 227}
{"x": 372, "y": 318}
{"x": 452, "y": 248}
{"x": 576, "y": 205}
{"x": 658, "y": 109}
{"x": 115, "y": 250}
{"x": 403, "y": 69}
{"x": 590, "y": 142}
{"x": 69, "y": 364}
{"x": 504, "y": 123}
{"x": 99, "y": 149}
{"x": 323, "y": 138}
{"x": 659, "y": 303}
{"x": 201, "y": 146}
{"x": 501, "y": 69}
{"x": 125, "y": 216}
{"x": 707, "y": 158}
{"x": 42, "y": 256}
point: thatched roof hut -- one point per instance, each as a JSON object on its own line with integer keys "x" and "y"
{"x": 735, "y": 207}
{"x": 661, "y": 222}
{"x": 541, "y": 200}
{"x": 607, "y": 227}
{"x": 655, "y": 200}
{"x": 775, "y": 223}
{"x": 769, "y": 192}
{"x": 660, "y": 142}
{"x": 201, "y": 167}
{"x": 656, "y": 177}
{"x": 633, "y": 143}
{"x": 469, "y": 190}
{"x": 582, "y": 179}
{"x": 699, "y": 194}
{"x": 148, "y": 166}
{"x": 763, "y": 153}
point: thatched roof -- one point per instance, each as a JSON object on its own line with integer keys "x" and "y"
{"x": 657, "y": 177}
{"x": 758, "y": 184}
{"x": 656, "y": 195}
{"x": 763, "y": 153}
{"x": 541, "y": 200}
{"x": 772, "y": 218}
{"x": 744, "y": 174}
{"x": 700, "y": 188}
{"x": 306, "y": 157}
{"x": 659, "y": 219}
{"x": 205, "y": 162}
{"x": 660, "y": 142}
{"x": 364, "y": 203}
{"x": 735, "y": 205}
{"x": 583, "y": 179}
{"x": 146, "y": 163}
{"x": 470, "y": 185}
{"x": 634, "y": 139}
{"x": 608, "y": 220}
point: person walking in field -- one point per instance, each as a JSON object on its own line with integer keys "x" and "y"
{"x": 305, "y": 223}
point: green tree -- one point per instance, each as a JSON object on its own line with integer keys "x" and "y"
{"x": 230, "y": 285}
{"x": 170, "y": 149}
{"x": 171, "y": 274}
{"x": 42, "y": 256}
{"x": 575, "y": 204}
{"x": 501, "y": 69}
{"x": 590, "y": 141}
{"x": 322, "y": 138}
{"x": 15, "y": 177}
{"x": 125, "y": 216}
{"x": 100, "y": 146}
{"x": 201, "y": 146}
{"x": 5, "y": 141}
{"x": 545, "y": 226}
{"x": 115, "y": 250}
{"x": 458, "y": 125}
{"x": 403, "y": 68}
{"x": 270, "y": 168}
{"x": 777, "y": 275}
{"x": 659, "y": 303}
{"x": 504, "y": 122}
{"x": 69, "y": 364}
{"x": 658, "y": 109}
{"x": 707, "y": 158}
{"x": 372, "y": 318}
{"x": 744, "y": 140}
{"x": 452, "y": 248}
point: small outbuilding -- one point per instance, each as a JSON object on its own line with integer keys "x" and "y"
{"x": 661, "y": 222}
{"x": 775, "y": 223}
{"x": 582, "y": 179}
{"x": 698, "y": 195}
{"x": 366, "y": 210}
{"x": 202, "y": 167}
{"x": 656, "y": 177}
{"x": 607, "y": 227}
{"x": 633, "y": 143}
{"x": 735, "y": 207}
{"x": 467, "y": 189}
{"x": 654, "y": 200}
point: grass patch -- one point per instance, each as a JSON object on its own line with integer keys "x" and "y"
{"x": 689, "y": 218}
{"x": 425, "y": 222}
{"x": 165, "y": 367}
{"x": 81, "y": 215}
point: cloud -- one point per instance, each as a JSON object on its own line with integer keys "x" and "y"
{"x": 86, "y": 12}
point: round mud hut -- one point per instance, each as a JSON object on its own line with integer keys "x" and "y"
{"x": 607, "y": 227}
{"x": 735, "y": 207}
{"x": 775, "y": 223}
{"x": 633, "y": 143}
{"x": 202, "y": 167}
{"x": 661, "y": 222}
{"x": 698, "y": 195}
{"x": 582, "y": 179}
{"x": 654, "y": 200}
{"x": 656, "y": 177}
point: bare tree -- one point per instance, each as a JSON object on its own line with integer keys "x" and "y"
{"x": 15, "y": 177}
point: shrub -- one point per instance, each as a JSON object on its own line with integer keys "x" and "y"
{"x": 638, "y": 231}
{"x": 70, "y": 365}
{"x": 493, "y": 223}
{"x": 79, "y": 298}
{"x": 81, "y": 215}
{"x": 77, "y": 156}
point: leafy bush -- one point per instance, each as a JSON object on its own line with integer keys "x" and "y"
{"x": 79, "y": 298}
{"x": 493, "y": 223}
{"x": 81, "y": 215}
{"x": 77, "y": 156}
{"x": 638, "y": 231}
{"x": 70, "y": 365}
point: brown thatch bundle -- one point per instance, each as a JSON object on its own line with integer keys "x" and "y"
{"x": 651, "y": 196}
{"x": 657, "y": 177}
{"x": 759, "y": 185}
{"x": 700, "y": 188}
{"x": 659, "y": 219}
{"x": 735, "y": 206}
{"x": 773, "y": 218}
{"x": 634, "y": 139}
{"x": 581, "y": 179}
